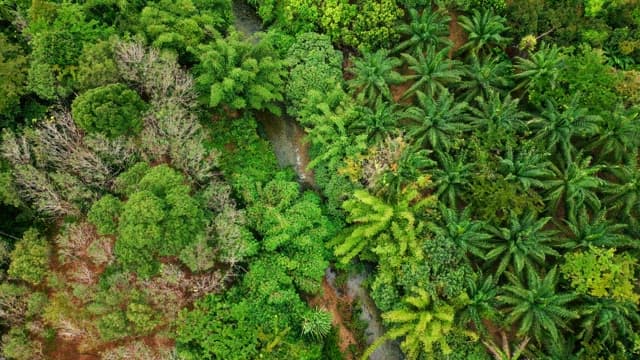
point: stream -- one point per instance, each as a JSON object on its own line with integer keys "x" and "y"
{"x": 287, "y": 138}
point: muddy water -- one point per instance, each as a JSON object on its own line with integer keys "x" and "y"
{"x": 368, "y": 313}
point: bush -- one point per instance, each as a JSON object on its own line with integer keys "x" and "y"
{"x": 30, "y": 258}
{"x": 113, "y": 110}
{"x": 18, "y": 345}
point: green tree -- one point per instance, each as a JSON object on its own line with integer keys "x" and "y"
{"x": 624, "y": 194}
{"x": 316, "y": 323}
{"x": 524, "y": 245}
{"x": 13, "y": 63}
{"x": 602, "y": 273}
{"x": 428, "y": 28}
{"x": 373, "y": 73}
{"x": 498, "y": 119}
{"x": 432, "y": 72}
{"x": 315, "y": 65}
{"x": 452, "y": 178}
{"x": 423, "y": 323}
{"x": 438, "y": 122}
{"x": 378, "y": 121}
{"x": 180, "y": 26}
{"x": 57, "y": 40}
{"x": 575, "y": 185}
{"x": 609, "y": 320}
{"x": 559, "y": 125}
{"x": 481, "y": 304}
{"x": 158, "y": 218}
{"x": 377, "y": 223}
{"x": 527, "y": 167}
{"x": 540, "y": 72}
{"x": 484, "y": 76}
{"x": 240, "y": 75}
{"x": 30, "y": 258}
{"x": 537, "y": 308}
{"x": 484, "y": 30}
{"x": 592, "y": 228}
{"x": 113, "y": 110}
{"x": 619, "y": 135}
{"x": 467, "y": 234}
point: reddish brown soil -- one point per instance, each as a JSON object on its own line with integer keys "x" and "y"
{"x": 332, "y": 302}
{"x": 456, "y": 33}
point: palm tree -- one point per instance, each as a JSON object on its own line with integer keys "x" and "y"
{"x": 556, "y": 128}
{"x": 431, "y": 72}
{"x": 374, "y": 72}
{"x": 424, "y": 322}
{"x": 537, "y": 308}
{"x": 499, "y": 119}
{"x": 485, "y": 31}
{"x": 451, "y": 178}
{"x": 481, "y": 305}
{"x": 376, "y": 222}
{"x": 467, "y": 234}
{"x": 608, "y": 320}
{"x": 523, "y": 245}
{"x": 575, "y": 184}
{"x": 436, "y": 121}
{"x": 596, "y": 230}
{"x": 483, "y": 76}
{"x": 528, "y": 167}
{"x": 410, "y": 166}
{"x": 624, "y": 194}
{"x": 429, "y": 28}
{"x": 378, "y": 121}
{"x": 505, "y": 352}
{"x": 540, "y": 70}
{"x": 619, "y": 135}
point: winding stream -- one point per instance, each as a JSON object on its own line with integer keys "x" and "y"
{"x": 287, "y": 139}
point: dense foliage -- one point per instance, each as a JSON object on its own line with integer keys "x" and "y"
{"x": 468, "y": 169}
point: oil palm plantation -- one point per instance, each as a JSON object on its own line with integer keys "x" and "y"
{"x": 438, "y": 121}
{"x": 377, "y": 121}
{"x": 425, "y": 28}
{"x": 373, "y": 73}
{"x": 432, "y": 71}
{"x": 624, "y": 194}
{"x": 559, "y": 125}
{"x": 540, "y": 71}
{"x": 527, "y": 167}
{"x": 619, "y": 136}
{"x": 451, "y": 178}
{"x": 483, "y": 76}
{"x": 523, "y": 245}
{"x": 498, "y": 119}
{"x": 481, "y": 305}
{"x": 596, "y": 230}
{"x": 575, "y": 184}
{"x": 536, "y": 307}
{"x": 467, "y": 234}
{"x": 485, "y": 30}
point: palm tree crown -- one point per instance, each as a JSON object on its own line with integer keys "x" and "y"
{"x": 374, "y": 72}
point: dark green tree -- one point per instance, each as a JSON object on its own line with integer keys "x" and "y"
{"x": 113, "y": 110}
{"x": 431, "y": 72}
{"x": 425, "y": 28}
{"x": 536, "y": 307}
{"x": 373, "y": 74}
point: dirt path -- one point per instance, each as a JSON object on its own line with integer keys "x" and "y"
{"x": 330, "y": 301}
{"x": 457, "y": 34}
